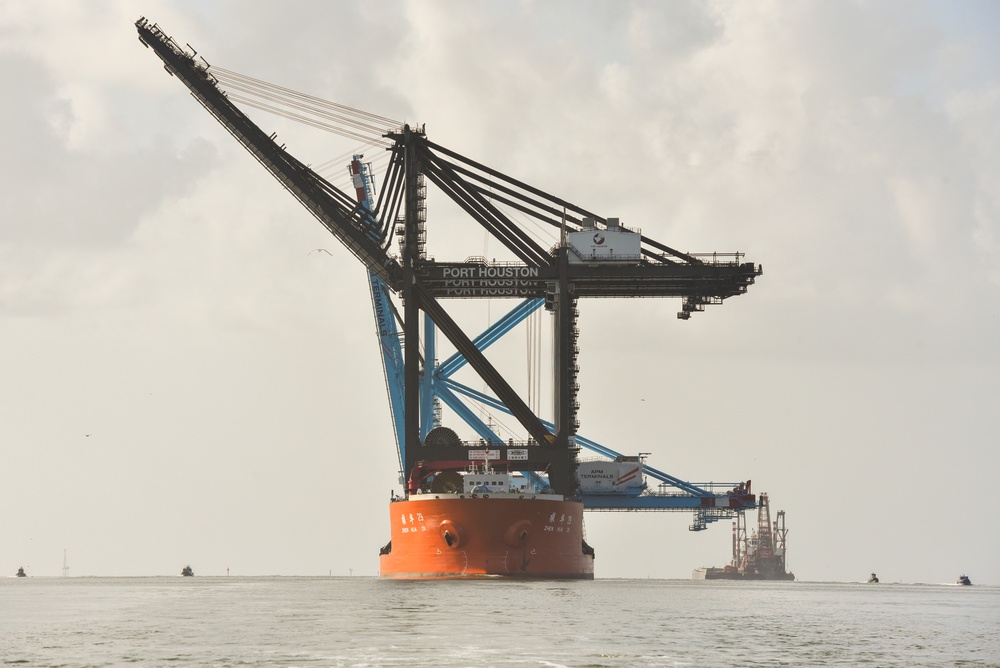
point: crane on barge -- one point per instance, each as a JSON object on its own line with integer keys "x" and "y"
{"x": 760, "y": 555}
{"x": 596, "y": 256}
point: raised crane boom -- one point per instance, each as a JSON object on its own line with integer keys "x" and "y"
{"x": 342, "y": 216}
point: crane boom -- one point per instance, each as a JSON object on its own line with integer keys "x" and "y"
{"x": 336, "y": 210}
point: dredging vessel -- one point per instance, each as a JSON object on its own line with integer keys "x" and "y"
{"x": 511, "y": 504}
{"x": 759, "y": 556}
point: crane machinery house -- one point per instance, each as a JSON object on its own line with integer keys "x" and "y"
{"x": 612, "y": 244}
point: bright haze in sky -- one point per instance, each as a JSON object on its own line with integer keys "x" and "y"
{"x": 183, "y": 379}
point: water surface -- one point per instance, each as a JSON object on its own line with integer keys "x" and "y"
{"x": 323, "y": 621}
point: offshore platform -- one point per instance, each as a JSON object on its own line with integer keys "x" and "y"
{"x": 494, "y": 504}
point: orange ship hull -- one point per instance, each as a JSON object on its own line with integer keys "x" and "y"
{"x": 447, "y": 536}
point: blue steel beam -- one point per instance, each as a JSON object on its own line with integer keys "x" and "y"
{"x": 390, "y": 348}
{"x": 427, "y": 390}
{"x": 593, "y": 446}
{"x": 391, "y": 353}
{"x": 467, "y": 415}
{"x": 652, "y": 502}
{"x": 491, "y": 335}
{"x": 480, "y": 427}
{"x": 649, "y": 470}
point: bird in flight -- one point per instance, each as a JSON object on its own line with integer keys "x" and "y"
{"x": 316, "y": 250}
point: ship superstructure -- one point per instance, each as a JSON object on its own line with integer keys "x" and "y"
{"x": 469, "y": 506}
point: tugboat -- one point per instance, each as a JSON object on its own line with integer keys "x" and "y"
{"x": 187, "y": 572}
{"x": 873, "y": 579}
{"x": 963, "y": 579}
{"x": 22, "y": 574}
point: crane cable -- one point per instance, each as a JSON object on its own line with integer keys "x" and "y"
{"x": 350, "y": 116}
{"x": 356, "y": 124}
{"x": 349, "y": 122}
{"x": 352, "y": 123}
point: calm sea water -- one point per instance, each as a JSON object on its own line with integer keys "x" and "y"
{"x": 205, "y": 621}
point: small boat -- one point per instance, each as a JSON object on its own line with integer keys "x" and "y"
{"x": 187, "y": 571}
{"x": 22, "y": 574}
{"x": 963, "y": 579}
{"x": 873, "y": 579}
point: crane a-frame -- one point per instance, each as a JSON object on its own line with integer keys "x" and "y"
{"x": 595, "y": 257}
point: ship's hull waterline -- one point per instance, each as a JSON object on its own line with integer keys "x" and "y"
{"x": 470, "y": 536}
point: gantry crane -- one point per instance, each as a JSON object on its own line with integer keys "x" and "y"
{"x": 596, "y": 256}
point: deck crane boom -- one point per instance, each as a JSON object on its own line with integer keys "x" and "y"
{"x": 595, "y": 257}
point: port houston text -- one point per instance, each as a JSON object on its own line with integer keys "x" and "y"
{"x": 489, "y": 272}
{"x": 483, "y": 281}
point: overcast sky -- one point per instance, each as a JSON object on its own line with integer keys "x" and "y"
{"x": 183, "y": 381}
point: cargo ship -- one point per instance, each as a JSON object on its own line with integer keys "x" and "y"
{"x": 759, "y": 556}
{"x": 478, "y": 522}
{"x": 481, "y": 523}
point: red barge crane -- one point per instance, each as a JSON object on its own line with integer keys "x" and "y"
{"x": 493, "y": 507}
